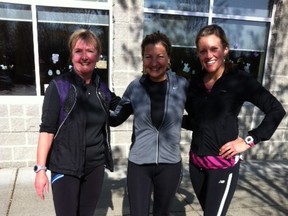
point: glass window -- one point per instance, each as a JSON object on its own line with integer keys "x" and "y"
{"x": 246, "y": 23}
{"x": 182, "y": 5}
{"x": 245, "y": 35}
{"x": 257, "y": 8}
{"x": 180, "y": 29}
{"x": 247, "y": 43}
{"x": 55, "y": 25}
{"x": 184, "y": 61}
{"x": 17, "y": 71}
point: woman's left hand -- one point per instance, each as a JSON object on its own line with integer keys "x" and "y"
{"x": 233, "y": 148}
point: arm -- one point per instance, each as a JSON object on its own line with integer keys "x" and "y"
{"x": 121, "y": 113}
{"x": 186, "y": 122}
{"x": 41, "y": 183}
{"x": 48, "y": 128}
{"x": 114, "y": 101}
{"x": 273, "y": 111}
{"x": 270, "y": 106}
{"x": 123, "y": 110}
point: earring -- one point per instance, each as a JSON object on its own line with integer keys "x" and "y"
{"x": 169, "y": 64}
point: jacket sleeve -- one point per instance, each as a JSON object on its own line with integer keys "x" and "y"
{"x": 269, "y": 105}
{"x": 50, "y": 110}
{"x": 114, "y": 101}
{"x": 122, "y": 111}
{"x": 186, "y": 122}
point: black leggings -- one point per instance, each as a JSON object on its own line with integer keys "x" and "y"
{"x": 214, "y": 188}
{"x": 77, "y": 196}
{"x": 162, "y": 179}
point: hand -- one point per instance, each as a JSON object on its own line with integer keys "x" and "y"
{"x": 41, "y": 184}
{"x": 233, "y": 148}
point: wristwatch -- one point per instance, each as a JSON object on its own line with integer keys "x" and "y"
{"x": 38, "y": 168}
{"x": 249, "y": 140}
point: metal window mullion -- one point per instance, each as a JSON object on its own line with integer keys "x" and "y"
{"x": 36, "y": 50}
{"x": 64, "y": 3}
{"x": 175, "y": 12}
{"x": 80, "y": 23}
{"x": 110, "y": 48}
{"x": 73, "y": 4}
{"x": 210, "y": 17}
{"x": 264, "y": 80}
{"x": 237, "y": 17}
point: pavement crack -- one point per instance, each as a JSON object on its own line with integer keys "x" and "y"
{"x": 12, "y": 194}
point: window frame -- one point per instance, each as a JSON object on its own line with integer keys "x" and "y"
{"x": 63, "y": 4}
{"x": 211, "y": 15}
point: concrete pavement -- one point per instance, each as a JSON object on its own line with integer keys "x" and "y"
{"x": 262, "y": 191}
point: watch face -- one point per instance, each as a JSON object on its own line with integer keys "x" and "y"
{"x": 249, "y": 139}
{"x": 38, "y": 168}
{"x": 35, "y": 168}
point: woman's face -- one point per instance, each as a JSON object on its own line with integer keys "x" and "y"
{"x": 211, "y": 53}
{"x": 84, "y": 57}
{"x": 155, "y": 61}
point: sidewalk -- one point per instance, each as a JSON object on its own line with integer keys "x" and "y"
{"x": 262, "y": 191}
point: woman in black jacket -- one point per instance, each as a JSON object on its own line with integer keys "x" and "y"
{"x": 74, "y": 133}
{"x": 216, "y": 95}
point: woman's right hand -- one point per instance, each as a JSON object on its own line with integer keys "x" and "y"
{"x": 41, "y": 184}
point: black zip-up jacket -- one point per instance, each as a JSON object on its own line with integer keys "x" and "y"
{"x": 67, "y": 153}
{"x": 213, "y": 117}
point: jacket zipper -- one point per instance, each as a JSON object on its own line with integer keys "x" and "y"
{"x": 101, "y": 99}
{"x": 157, "y": 148}
{"x": 164, "y": 115}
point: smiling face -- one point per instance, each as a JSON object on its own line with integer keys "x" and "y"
{"x": 156, "y": 61}
{"x": 212, "y": 53}
{"x": 84, "y": 58}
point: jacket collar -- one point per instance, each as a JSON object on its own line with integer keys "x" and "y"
{"x": 144, "y": 78}
{"x": 80, "y": 82}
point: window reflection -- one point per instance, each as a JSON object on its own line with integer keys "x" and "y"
{"x": 181, "y": 30}
{"x": 248, "y": 41}
{"x": 246, "y": 24}
{"x": 17, "y": 72}
{"x": 257, "y": 8}
{"x": 53, "y": 35}
{"x": 182, "y": 5}
{"x": 245, "y": 35}
{"x": 249, "y": 61}
{"x": 185, "y": 62}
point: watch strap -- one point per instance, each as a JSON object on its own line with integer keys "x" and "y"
{"x": 37, "y": 168}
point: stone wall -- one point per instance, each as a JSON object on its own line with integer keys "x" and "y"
{"x": 20, "y": 117}
{"x": 19, "y": 125}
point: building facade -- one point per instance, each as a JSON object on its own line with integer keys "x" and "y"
{"x": 33, "y": 50}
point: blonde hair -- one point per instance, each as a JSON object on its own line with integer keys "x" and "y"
{"x": 85, "y": 35}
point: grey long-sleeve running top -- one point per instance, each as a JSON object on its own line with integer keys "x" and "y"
{"x": 149, "y": 144}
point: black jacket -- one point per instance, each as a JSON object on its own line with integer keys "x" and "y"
{"x": 62, "y": 115}
{"x": 213, "y": 117}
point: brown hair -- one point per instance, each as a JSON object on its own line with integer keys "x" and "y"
{"x": 213, "y": 30}
{"x": 154, "y": 38}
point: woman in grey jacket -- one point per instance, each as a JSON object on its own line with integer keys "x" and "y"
{"x": 157, "y": 100}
